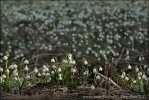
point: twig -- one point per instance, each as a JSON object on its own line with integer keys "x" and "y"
{"x": 110, "y": 80}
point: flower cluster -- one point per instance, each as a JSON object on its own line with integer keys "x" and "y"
{"x": 137, "y": 82}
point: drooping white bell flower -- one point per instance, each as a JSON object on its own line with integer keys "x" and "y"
{"x": 100, "y": 69}
{"x": 137, "y": 69}
{"x": 26, "y": 68}
{"x": 1, "y": 69}
{"x": 59, "y": 70}
{"x": 5, "y": 57}
{"x": 129, "y": 67}
{"x": 26, "y": 62}
{"x": 85, "y": 62}
{"x": 73, "y": 70}
{"x": 98, "y": 77}
{"x": 53, "y": 60}
{"x": 35, "y": 70}
{"x": 92, "y": 87}
{"x": 94, "y": 70}
{"x": 65, "y": 61}
{"x": 126, "y": 78}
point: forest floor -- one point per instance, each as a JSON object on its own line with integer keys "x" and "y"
{"x": 46, "y": 92}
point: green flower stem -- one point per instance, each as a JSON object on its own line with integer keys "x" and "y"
{"x": 21, "y": 66}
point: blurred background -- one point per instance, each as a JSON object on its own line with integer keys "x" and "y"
{"x": 95, "y": 30}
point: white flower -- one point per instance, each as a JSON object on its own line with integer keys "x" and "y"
{"x": 35, "y": 70}
{"x": 134, "y": 81}
{"x": 73, "y": 70}
{"x": 148, "y": 70}
{"x": 139, "y": 78}
{"x": 60, "y": 76}
{"x": 140, "y": 73}
{"x": 1, "y": 69}
{"x": 52, "y": 72}
{"x": 92, "y": 87}
{"x": 122, "y": 76}
{"x": 47, "y": 74}
{"x": 86, "y": 73}
{"x": 126, "y": 78}
{"x": 15, "y": 66}
{"x": 26, "y": 68}
{"x": 100, "y": 69}
{"x": 70, "y": 55}
{"x": 27, "y": 77}
{"x": 5, "y": 57}
{"x": 49, "y": 79}
{"x": 144, "y": 77}
{"x": 1, "y": 79}
{"x": 70, "y": 58}
{"x": 140, "y": 58}
{"x": 44, "y": 66}
{"x": 72, "y": 62}
{"x": 137, "y": 69}
{"x": 85, "y": 62}
{"x": 129, "y": 67}
{"x": 145, "y": 66}
{"x": 59, "y": 69}
{"x": 95, "y": 70}
{"x": 44, "y": 70}
{"x": 43, "y": 73}
{"x": 65, "y": 61}
{"x": 16, "y": 78}
{"x": 123, "y": 73}
{"x": 15, "y": 72}
{"x": 11, "y": 67}
{"x": 38, "y": 74}
{"x": 53, "y": 66}
{"x": 47, "y": 69}
{"x": 98, "y": 77}
{"x": 4, "y": 76}
{"x": 53, "y": 60}
{"x": 26, "y": 62}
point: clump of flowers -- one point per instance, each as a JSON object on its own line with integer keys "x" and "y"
{"x": 139, "y": 82}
